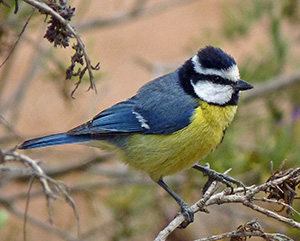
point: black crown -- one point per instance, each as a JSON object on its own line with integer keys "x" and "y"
{"x": 215, "y": 58}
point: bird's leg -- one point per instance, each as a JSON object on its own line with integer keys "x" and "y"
{"x": 185, "y": 209}
{"x": 216, "y": 176}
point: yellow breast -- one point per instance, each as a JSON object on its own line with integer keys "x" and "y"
{"x": 162, "y": 155}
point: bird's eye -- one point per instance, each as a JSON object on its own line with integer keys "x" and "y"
{"x": 218, "y": 79}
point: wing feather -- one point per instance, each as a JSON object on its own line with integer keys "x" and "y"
{"x": 160, "y": 107}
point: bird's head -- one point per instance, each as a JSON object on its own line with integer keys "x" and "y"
{"x": 213, "y": 76}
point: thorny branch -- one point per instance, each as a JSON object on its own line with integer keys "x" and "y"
{"x": 249, "y": 229}
{"x": 273, "y": 186}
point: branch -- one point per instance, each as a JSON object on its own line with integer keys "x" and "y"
{"x": 241, "y": 234}
{"x": 54, "y": 170}
{"x": 61, "y": 188}
{"x": 249, "y": 229}
{"x": 50, "y": 228}
{"x": 272, "y": 85}
{"x": 238, "y": 196}
{"x": 13, "y": 156}
{"x": 196, "y": 207}
{"x": 138, "y": 10}
{"x": 43, "y": 7}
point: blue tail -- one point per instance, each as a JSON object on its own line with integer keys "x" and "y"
{"x": 52, "y": 140}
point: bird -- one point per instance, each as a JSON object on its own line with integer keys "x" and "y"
{"x": 173, "y": 121}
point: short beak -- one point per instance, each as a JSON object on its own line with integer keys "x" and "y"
{"x": 242, "y": 85}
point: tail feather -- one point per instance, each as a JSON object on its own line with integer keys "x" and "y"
{"x": 52, "y": 140}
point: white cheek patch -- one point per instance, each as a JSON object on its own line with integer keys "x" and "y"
{"x": 213, "y": 93}
{"x": 231, "y": 73}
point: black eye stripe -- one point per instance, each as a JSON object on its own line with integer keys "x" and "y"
{"x": 216, "y": 79}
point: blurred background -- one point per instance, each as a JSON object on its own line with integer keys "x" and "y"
{"x": 136, "y": 41}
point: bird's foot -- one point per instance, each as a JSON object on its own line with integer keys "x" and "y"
{"x": 186, "y": 211}
{"x": 220, "y": 177}
{"x": 188, "y": 214}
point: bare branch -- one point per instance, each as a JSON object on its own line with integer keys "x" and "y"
{"x": 238, "y": 196}
{"x": 16, "y": 157}
{"x": 139, "y": 10}
{"x": 38, "y": 222}
{"x": 13, "y": 156}
{"x": 21, "y": 174}
{"x": 272, "y": 85}
{"x": 277, "y": 202}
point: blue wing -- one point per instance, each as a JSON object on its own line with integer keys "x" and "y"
{"x": 160, "y": 107}
{"x": 118, "y": 118}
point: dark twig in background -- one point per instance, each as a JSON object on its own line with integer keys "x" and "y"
{"x": 272, "y": 85}
{"x": 18, "y": 39}
{"x": 46, "y": 181}
{"x": 137, "y": 11}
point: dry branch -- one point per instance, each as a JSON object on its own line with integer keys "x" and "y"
{"x": 80, "y": 47}
{"x": 238, "y": 196}
{"x": 46, "y": 182}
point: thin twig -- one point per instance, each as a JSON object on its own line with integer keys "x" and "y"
{"x": 139, "y": 10}
{"x": 14, "y": 103}
{"x": 43, "y": 225}
{"x": 272, "y": 85}
{"x": 27, "y": 208}
{"x": 21, "y": 174}
{"x": 277, "y": 202}
{"x": 45, "y": 8}
{"x": 13, "y": 156}
{"x": 18, "y": 39}
{"x": 236, "y": 234}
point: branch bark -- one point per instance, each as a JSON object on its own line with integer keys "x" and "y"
{"x": 238, "y": 196}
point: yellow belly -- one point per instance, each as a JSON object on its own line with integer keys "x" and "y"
{"x": 162, "y": 155}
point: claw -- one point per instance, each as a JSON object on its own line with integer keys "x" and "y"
{"x": 220, "y": 177}
{"x": 188, "y": 213}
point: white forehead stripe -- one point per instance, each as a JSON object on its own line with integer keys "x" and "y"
{"x": 231, "y": 73}
{"x": 213, "y": 93}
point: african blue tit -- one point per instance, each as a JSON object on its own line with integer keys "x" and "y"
{"x": 171, "y": 123}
